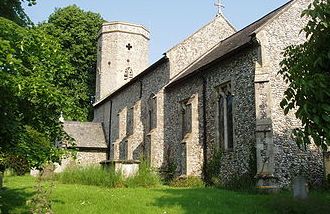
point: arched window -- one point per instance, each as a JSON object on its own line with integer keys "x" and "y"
{"x": 225, "y": 117}
{"x": 186, "y": 118}
{"x": 128, "y": 74}
{"x": 130, "y": 121}
{"x": 152, "y": 112}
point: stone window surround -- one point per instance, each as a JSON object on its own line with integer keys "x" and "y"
{"x": 185, "y": 102}
{"x": 186, "y": 137}
{"x": 130, "y": 121}
{"x": 152, "y": 125}
{"x": 219, "y": 93}
{"x": 128, "y": 73}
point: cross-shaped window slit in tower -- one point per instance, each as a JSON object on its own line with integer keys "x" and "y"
{"x": 129, "y": 46}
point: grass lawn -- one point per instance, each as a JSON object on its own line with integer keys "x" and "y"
{"x": 90, "y": 199}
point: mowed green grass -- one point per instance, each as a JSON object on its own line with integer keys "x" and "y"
{"x": 71, "y": 198}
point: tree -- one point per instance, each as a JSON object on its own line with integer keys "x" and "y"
{"x": 306, "y": 68}
{"x": 13, "y": 10}
{"x": 34, "y": 73}
{"x": 77, "y": 32}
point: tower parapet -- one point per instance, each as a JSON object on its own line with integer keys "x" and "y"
{"x": 123, "y": 53}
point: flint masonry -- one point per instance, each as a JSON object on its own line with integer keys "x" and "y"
{"x": 216, "y": 91}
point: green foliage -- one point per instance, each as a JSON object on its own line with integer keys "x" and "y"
{"x": 238, "y": 181}
{"x": 41, "y": 203}
{"x": 34, "y": 90}
{"x": 13, "y": 10}
{"x": 75, "y": 198}
{"x": 169, "y": 174}
{"x": 212, "y": 169}
{"x": 97, "y": 176}
{"x": 92, "y": 175}
{"x": 190, "y": 181}
{"x": 244, "y": 182}
{"x": 17, "y": 163}
{"x": 145, "y": 177}
{"x": 9, "y": 172}
{"x": 77, "y": 32}
{"x": 306, "y": 67}
{"x": 44, "y": 70}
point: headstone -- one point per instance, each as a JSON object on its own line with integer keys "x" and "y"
{"x": 300, "y": 188}
{"x": 34, "y": 172}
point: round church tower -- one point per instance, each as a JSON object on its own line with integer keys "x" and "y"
{"x": 123, "y": 53}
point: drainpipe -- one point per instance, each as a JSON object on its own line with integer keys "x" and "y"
{"x": 140, "y": 95}
{"x": 109, "y": 136}
{"x": 204, "y": 125}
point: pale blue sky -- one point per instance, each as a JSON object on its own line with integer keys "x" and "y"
{"x": 169, "y": 21}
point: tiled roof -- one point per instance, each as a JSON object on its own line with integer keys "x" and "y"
{"x": 86, "y": 134}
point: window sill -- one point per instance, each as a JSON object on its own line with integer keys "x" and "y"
{"x": 231, "y": 150}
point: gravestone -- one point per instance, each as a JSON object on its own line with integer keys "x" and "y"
{"x": 300, "y": 188}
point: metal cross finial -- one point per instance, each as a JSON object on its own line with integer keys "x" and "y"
{"x": 220, "y": 6}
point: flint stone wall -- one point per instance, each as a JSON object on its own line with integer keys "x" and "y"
{"x": 239, "y": 70}
{"x": 289, "y": 160}
{"x": 185, "y": 152}
{"x": 113, "y": 57}
{"x": 199, "y": 43}
{"x": 139, "y": 142}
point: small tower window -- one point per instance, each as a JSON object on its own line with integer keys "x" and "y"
{"x": 128, "y": 74}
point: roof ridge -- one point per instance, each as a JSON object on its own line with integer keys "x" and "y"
{"x": 258, "y": 20}
{"x": 228, "y": 45}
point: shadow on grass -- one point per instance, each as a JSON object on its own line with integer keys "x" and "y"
{"x": 14, "y": 200}
{"x": 212, "y": 200}
{"x": 318, "y": 202}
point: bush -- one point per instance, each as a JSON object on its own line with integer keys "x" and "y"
{"x": 41, "y": 203}
{"x": 169, "y": 173}
{"x": 18, "y": 164}
{"x": 244, "y": 182}
{"x": 146, "y": 177}
{"x": 190, "y": 181}
{"x": 9, "y": 172}
{"x": 97, "y": 176}
{"x": 91, "y": 175}
{"x": 212, "y": 169}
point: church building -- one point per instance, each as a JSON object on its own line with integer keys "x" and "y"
{"x": 216, "y": 92}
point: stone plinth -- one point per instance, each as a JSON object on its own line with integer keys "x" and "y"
{"x": 267, "y": 183}
{"x": 128, "y": 168}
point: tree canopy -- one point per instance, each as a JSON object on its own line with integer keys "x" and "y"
{"x": 13, "y": 10}
{"x": 76, "y": 31}
{"x": 44, "y": 70}
{"x": 35, "y": 88}
{"x": 306, "y": 68}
